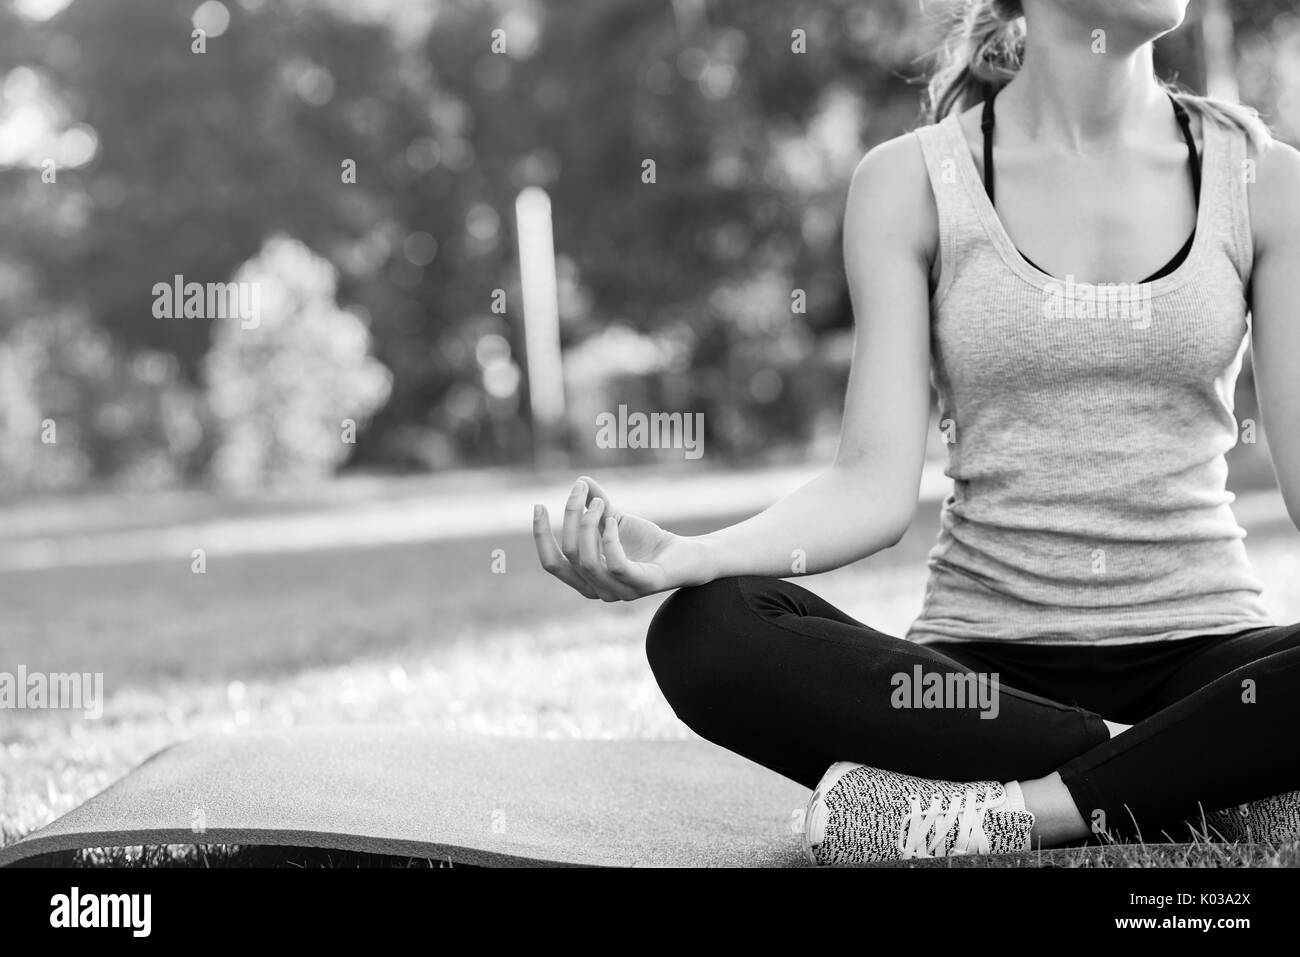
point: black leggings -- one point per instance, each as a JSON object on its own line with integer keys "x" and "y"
{"x": 772, "y": 672}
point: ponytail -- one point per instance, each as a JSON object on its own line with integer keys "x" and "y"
{"x": 984, "y": 48}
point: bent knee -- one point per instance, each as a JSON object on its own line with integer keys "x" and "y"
{"x": 688, "y": 619}
{"x": 690, "y": 644}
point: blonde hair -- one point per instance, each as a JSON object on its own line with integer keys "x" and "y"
{"x": 985, "y": 47}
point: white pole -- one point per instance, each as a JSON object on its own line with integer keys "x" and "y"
{"x": 541, "y": 320}
{"x": 1218, "y": 36}
{"x": 689, "y": 15}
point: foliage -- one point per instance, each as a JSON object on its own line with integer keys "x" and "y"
{"x": 74, "y": 407}
{"x": 287, "y": 395}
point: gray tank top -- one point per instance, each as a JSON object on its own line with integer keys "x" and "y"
{"x": 1086, "y": 428}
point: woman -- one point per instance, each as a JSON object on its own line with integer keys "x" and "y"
{"x": 1072, "y": 251}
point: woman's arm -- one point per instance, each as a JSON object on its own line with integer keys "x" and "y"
{"x": 865, "y": 500}
{"x": 1275, "y": 296}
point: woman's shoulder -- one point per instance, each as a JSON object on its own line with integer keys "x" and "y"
{"x": 1226, "y": 119}
{"x": 1275, "y": 162}
{"x": 1272, "y": 175}
{"x": 966, "y": 120}
{"x": 892, "y": 179}
{"x": 901, "y": 161}
{"x": 890, "y": 195}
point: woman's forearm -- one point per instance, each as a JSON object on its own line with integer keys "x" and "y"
{"x": 839, "y": 517}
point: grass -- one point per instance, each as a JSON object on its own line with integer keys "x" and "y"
{"x": 217, "y": 856}
{"x": 1198, "y": 854}
{"x": 422, "y": 633}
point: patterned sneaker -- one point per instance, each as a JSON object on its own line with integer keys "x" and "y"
{"x": 858, "y": 814}
{"x": 1273, "y": 820}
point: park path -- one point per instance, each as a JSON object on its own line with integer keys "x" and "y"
{"x": 376, "y": 512}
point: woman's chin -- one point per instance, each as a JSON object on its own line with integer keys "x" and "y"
{"x": 1145, "y": 19}
{"x": 1154, "y": 17}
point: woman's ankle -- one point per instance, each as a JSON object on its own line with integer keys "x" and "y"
{"x": 1056, "y": 820}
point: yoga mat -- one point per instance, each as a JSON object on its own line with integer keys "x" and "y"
{"x": 464, "y": 798}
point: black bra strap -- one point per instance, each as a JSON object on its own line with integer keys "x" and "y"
{"x": 987, "y": 126}
{"x": 1194, "y": 157}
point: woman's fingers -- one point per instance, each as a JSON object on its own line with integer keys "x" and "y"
{"x": 573, "y": 510}
{"x": 616, "y": 561}
{"x": 548, "y": 550}
{"x": 579, "y": 558}
{"x": 595, "y": 491}
{"x": 590, "y": 561}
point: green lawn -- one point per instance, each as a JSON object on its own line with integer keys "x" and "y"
{"x": 420, "y": 632}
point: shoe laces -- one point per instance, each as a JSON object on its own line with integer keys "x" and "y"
{"x": 924, "y": 833}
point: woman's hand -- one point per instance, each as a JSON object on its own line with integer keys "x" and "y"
{"x": 608, "y": 554}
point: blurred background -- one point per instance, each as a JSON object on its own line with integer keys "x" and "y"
{"x": 326, "y": 517}
{"x": 675, "y": 296}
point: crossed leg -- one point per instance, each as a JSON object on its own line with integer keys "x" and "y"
{"x": 771, "y": 671}
{"x": 1221, "y": 733}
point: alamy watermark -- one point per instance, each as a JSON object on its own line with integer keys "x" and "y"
{"x": 944, "y": 690}
{"x": 179, "y": 299}
{"x": 1127, "y": 301}
{"x": 56, "y": 690}
{"x": 651, "y": 430}
{"x": 133, "y": 912}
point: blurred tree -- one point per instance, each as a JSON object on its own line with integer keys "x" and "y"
{"x": 75, "y": 406}
{"x": 289, "y": 389}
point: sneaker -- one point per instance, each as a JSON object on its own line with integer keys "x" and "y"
{"x": 1273, "y": 820}
{"x": 858, "y": 814}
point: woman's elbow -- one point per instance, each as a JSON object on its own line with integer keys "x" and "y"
{"x": 898, "y": 527}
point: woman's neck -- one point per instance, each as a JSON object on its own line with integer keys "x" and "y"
{"x": 1083, "y": 99}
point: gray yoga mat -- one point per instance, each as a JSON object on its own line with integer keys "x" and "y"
{"x": 467, "y": 799}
